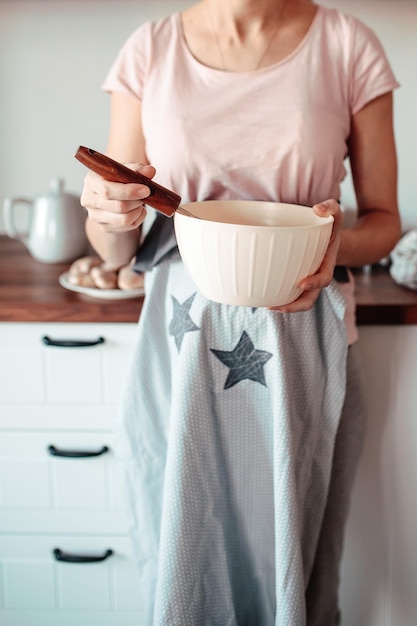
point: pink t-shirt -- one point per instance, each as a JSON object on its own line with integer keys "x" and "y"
{"x": 278, "y": 133}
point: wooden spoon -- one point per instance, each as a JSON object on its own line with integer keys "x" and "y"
{"x": 162, "y": 199}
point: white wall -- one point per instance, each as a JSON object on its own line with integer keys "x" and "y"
{"x": 54, "y": 54}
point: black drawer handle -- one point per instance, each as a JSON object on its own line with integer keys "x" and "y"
{"x": 68, "y": 557}
{"x": 76, "y": 454}
{"x": 72, "y": 343}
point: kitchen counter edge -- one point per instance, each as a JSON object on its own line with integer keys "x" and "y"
{"x": 30, "y": 292}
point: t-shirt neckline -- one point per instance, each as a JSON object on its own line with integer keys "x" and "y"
{"x": 262, "y": 70}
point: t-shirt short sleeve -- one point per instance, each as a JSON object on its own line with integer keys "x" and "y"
{"x": 129, "y": 69}
{"x": 371, "y": 73}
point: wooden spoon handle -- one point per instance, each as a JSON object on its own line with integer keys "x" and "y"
{"x": 163, "y": 200}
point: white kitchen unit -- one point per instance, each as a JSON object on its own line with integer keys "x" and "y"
{"x": 62, "y": 401}
{"x": 65, "y": 557}
{"x": 379, "y": 574}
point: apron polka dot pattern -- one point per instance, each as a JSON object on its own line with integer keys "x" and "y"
{"x": 227, "y": 436}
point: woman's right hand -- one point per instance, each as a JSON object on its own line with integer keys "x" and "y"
{"x": 116, "y": 207}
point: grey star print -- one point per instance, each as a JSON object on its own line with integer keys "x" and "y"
{"x": 181, "y": 322}
{"x": 244, "y": 361}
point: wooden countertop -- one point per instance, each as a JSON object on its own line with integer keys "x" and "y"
{"x": 30, "y": 292}
{"x": 382, "y": 301}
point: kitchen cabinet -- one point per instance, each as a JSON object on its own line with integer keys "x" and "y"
{"x": 380, "y": 563}
{"x": 67, "y": 398}
{"x": 61, "y": 490}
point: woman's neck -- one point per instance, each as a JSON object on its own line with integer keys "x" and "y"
{"x": 242, "y": 19}
{"x": 245, "y": 35}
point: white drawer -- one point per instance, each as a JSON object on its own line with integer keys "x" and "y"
{"x": 37, "y": 475}
{"x": 35, "y": 582}
{"x": 58, "y": 416}
{"x": 33, "y": 372}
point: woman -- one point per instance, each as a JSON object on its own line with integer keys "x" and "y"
{"x": 242, "y": 428}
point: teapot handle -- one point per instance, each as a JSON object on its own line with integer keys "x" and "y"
{"x": 11, "y": 229}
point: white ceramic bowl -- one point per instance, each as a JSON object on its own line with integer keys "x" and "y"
{"x": 251, "y": 253}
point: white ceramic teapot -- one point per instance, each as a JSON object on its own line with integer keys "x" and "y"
{"x": 55, "y": 230}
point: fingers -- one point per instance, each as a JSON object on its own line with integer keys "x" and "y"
{"x": 303, "y": 303}
{"x": 116, "y": 207}
{"x": 312, "y": 285}
{"x": 118, "y": 222}
{"x": 331, "y": 207}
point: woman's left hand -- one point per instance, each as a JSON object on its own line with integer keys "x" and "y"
{"x": 312, "y": 285}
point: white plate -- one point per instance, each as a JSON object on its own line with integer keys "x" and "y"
{"x": 104, "y": 294}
